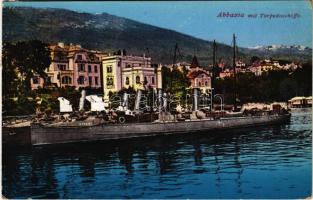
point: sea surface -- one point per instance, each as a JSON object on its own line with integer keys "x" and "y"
{"x": 264, "y": 162}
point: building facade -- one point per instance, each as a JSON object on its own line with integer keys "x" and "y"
{"x": 198, "y": 77}
{"x": 122, "y": 71}
{"x": 71, "y": 65}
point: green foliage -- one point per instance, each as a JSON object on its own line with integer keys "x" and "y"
{"x": 129, "y": 90}
{"x": 20, "y": 106}
{"x": 10, "y": 80}
{"x": 22, "y": 60}
{"x": 269, "y": 87}
{"x": 49, "y": 97}
{"x": 175, "y": 81}
{"x": 254, "y": 59}
{"x": 71, "y": 94}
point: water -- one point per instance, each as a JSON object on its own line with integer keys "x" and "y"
{"x": 265, "y": 162}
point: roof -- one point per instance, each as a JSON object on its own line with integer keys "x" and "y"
{"x": 194, "y": 62}
{"x": 194, "y": 74}
{"x": 296, "y": 98}
{"x": 68, "y": 51}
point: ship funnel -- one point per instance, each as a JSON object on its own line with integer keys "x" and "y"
{"x": 65, "y": 105}
{"x": 160, "y": 100}
{"x": 137, "y": 103}
{"x": 125, "y": 101}
{"x": 195, "y": 99}
{"x": 164, "y": 101}
{"x": 82, "y": 100}
{"x": 97, "y": 105}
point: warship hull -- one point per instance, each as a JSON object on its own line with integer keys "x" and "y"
{"x": 87, "y": 131}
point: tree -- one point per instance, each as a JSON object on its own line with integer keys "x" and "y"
{"x": 175, "y": 81}
{"x": 9, "y": 75}
{"x": 28, "y": 58}
{"x": 21, "y": 61}
{"x": 254, "y": 59}
{"x": 303, "y": 77}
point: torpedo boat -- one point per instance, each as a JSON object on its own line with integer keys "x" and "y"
{"x": 123, "y": 123}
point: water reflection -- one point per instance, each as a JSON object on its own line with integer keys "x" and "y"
{"x": 230, "y": 164}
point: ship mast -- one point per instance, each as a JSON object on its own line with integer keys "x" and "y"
{"x": 234, "y": 70}
{"x": 214, "y": 65}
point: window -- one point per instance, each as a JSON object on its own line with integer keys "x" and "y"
{"x": 206, "y": 83}
{"x": 109, "y": 81}
{"x": 128, "y": 66}
{"x": 109, "y": 69}
{"x": 96, "y": 68}
{"x": 199, "y": 83}
{"x": 36, "y": 80}
{"x": 90, "y": 80}
{"x": 137, "y": 79}
{"x": 89, "y": 68}
{"x": 61, "y": 67}
{"x": 152, "y": 79}
{"x": 81, "y": 67}
{"x": 127, "y": 81}
{"x": 96, "y": 81}
{"x": 79, "y": 57}
{"x": 146, "y": 80}
{"x": 66, "y": 80}
{"x": 81, "y": 80}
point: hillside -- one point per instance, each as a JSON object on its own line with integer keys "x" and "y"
{"x": 109, "y": 33}
{"x": 296, "y": 53}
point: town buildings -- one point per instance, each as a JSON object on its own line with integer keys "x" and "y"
{"x": 75, "y": 66}
{"x": 300, "y": 102}
{"x": 257, "y": 68}
{"x": 124, "y": 71}
{"x": 71, "y": 65}
{"x": 198, "y": 77}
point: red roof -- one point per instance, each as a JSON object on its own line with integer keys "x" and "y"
{"x": 195, "y": 74}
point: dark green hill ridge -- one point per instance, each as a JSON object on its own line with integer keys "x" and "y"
{"x": 109, "y": 33}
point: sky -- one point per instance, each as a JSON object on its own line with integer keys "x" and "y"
{"x": 200, "y": 18}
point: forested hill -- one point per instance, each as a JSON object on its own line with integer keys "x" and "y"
{"x": 109, "y": 33}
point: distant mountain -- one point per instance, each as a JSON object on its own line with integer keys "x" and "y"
{"x": 110, "y": 33}
{"x": 294, "y": 52}
{"x": 276, "y": 47}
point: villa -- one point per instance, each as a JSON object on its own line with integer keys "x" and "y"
{"x": 71, "y": 65}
